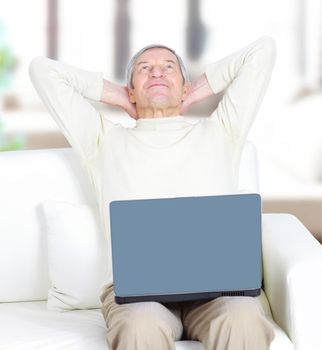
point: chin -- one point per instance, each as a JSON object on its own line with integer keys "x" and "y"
{"x": 162, "y": 102}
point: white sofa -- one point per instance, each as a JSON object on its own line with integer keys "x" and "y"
{"x": 292, "y": 261}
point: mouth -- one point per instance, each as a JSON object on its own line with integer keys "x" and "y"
{"x": 158, "y": 85}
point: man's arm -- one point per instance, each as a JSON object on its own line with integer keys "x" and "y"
{"x": 64, "y": 89}
{"x": 244, "y": 75}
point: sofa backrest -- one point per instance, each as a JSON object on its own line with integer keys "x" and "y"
{"x": 27, "y": 178}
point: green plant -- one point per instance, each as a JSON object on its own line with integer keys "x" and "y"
{"x": 10, "y": 145}
{"x": 7, "y": 66}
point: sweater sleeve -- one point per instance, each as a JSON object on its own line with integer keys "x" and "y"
{"x": 245, "y": 75}
{"x": 64, "y": 90}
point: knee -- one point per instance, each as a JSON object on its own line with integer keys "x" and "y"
{"x": 144, "y": 326}
{"x": 242, "y": 311}
{"x": 237, "y": 323}
{"x": 244, "y": 316}
{"x": 143, "y": 321}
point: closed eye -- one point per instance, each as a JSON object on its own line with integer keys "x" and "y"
{"x": 169, "y": 67}
{"x": 144, "y": 68}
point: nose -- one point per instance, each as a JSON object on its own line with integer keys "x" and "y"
{"x": 156, "y": 72}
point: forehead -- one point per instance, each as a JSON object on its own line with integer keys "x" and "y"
{"x": 156, "y": 54}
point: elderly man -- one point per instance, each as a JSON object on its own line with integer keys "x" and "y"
{"x": 165, "y": 155}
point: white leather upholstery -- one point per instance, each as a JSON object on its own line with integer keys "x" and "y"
{"x": 292, "y": 260}
{"x": 27, "y": 178}
{"x": 30, "y": 326}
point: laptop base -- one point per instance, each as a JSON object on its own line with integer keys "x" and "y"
{"x": 187, "y": 297}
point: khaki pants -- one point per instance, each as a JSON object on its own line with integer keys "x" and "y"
{"x": 226, "y": 323}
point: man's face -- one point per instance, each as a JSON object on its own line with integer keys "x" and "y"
{"x": 157, "y": 80}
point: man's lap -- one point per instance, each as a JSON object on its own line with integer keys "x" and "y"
{"x": 192, "y": 316}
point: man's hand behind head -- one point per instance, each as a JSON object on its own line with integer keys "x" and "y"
{"x": 198, "y": 91}
{"x": 116, "y": 95}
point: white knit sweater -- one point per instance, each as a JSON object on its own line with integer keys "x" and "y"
{"x": 159, "y": 157}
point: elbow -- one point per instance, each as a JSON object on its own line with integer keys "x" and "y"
{"x": 35, "y": 66}
{"x": 269, "y": 48}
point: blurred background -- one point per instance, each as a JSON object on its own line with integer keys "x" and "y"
{"x": 101, "y": 35}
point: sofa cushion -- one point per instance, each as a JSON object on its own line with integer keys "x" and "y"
{"x": 31, "y": 326}
{"x": 27, "y": 178}
{"x": 77, "y": 258}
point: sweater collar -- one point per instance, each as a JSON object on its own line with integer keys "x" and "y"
{"x": 163, "y": 123}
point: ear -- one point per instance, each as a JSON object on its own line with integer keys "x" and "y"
{"x": 132, "y": 95}
{"x": 186, "y": 90}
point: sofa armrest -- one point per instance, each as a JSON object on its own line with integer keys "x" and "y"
{"x": 292, "y": 266}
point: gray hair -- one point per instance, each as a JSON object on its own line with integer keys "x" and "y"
{"x": 130, "y": 66}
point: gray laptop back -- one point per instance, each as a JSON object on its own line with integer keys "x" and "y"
{"x": 186, "y": 248}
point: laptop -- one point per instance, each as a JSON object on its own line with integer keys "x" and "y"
{"x": 186, "y": 248}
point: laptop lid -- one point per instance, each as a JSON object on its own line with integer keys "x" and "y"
{"x": 186, "y": 248}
